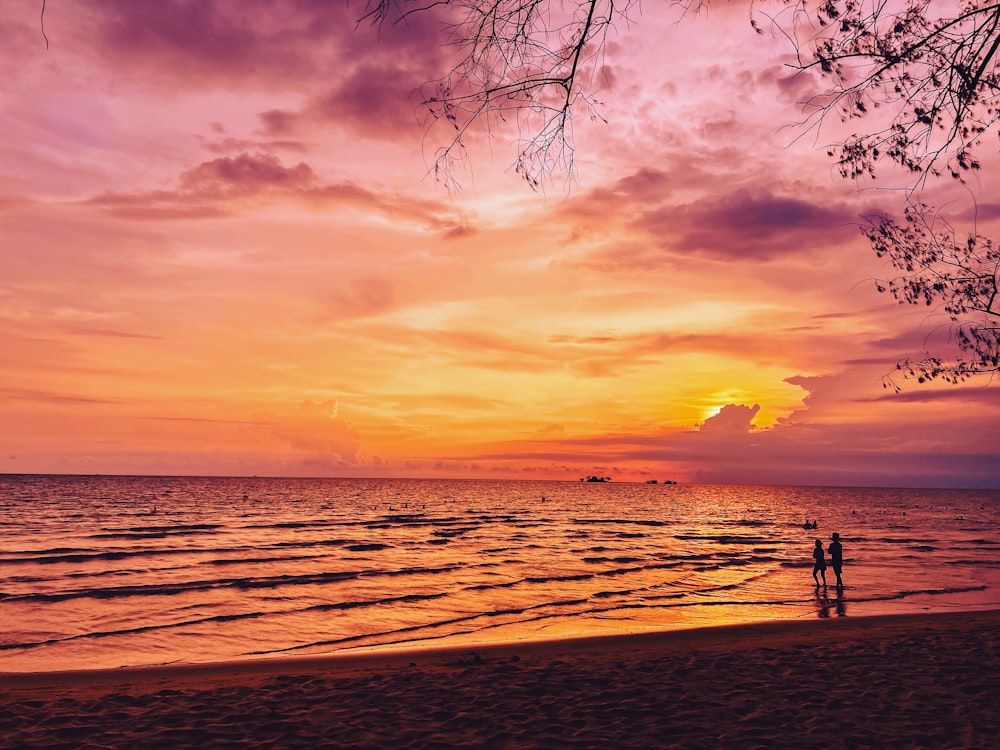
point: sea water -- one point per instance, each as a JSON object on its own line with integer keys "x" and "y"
{"x": 103, "y": 571}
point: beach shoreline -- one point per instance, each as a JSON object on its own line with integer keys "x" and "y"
{"x": 925, "y": 680}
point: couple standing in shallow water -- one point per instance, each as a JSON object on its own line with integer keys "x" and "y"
{"x": 836, "y": 560}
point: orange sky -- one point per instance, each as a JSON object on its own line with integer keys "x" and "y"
{"x": 221, "y": 253}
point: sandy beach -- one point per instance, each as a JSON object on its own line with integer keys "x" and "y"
{"x": 919, "y": 681}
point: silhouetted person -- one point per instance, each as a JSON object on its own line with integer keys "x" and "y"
{"x": 837, "y": 558}
{"x": 820, "y": 565}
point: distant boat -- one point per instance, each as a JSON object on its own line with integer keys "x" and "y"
{"x": 651, "y": 481}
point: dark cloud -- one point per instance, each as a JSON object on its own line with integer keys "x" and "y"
{"x": 795, "y": 88}
{"x": 154, "y": 206}
{"x": 380, "y": 99}
{"x": 834, "y": 316}
{"x": 53, "y": 397}
{"x": 986, "y": 396}
{"x": 244, "y": 175}
{"x": 748, "y": 225}
{"x": 358, "y": 75}
{"x": 887, "y": 362}
{"x": 203, "y": 42}
{"x": 221, "y": 186}
{"x": 230, "y": 145}
{"x": 982, "y": 212}
{"x": 933, "y": 335}
{"x": 219, "y": 180}
{"x": 764, "y": 224}
{"x": 460, "y": 231}
{"x": 374, "y": 100}
{"x": 645, "y": 187}
{"x": 278, "y": 122}
{"x": 646, "y": 184}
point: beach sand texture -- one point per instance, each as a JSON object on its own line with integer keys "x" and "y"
{"x": 917, "y": 681}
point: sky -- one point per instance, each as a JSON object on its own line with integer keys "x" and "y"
{"x": 223, "y": 251}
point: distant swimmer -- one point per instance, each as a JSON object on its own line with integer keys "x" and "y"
{"x": 820, "y": 564}
{"x": 836, "y": 558}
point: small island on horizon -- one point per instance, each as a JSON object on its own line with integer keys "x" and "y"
{"x": 608, "y": 479}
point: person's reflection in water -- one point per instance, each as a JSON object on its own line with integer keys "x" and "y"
{"x": 841, "y": 603}
{"x": 822, "y": 603}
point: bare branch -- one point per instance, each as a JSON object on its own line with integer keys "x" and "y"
{"x": 41, "y": 22}
{"x": 528, "y": 65}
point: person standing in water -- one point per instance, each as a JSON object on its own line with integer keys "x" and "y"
{"x": 837, "y": 558}
{"x": 820, "y": 565}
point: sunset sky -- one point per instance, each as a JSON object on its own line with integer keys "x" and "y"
{"x": 222, "y": 252}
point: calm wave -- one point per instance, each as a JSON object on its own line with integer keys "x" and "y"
{"x": 112, "y": 571}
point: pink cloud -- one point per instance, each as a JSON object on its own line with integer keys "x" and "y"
{"x": 731, "y": 419}
{"x": 246, "y": 175}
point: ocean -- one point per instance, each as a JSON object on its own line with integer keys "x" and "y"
{"x": 106, "y": 571}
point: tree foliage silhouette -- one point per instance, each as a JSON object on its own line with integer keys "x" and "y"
{"x": 925, "y": 76}
{"x": 941, "y": 269}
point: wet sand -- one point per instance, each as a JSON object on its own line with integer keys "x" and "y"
{"x": 915, "y": 681}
